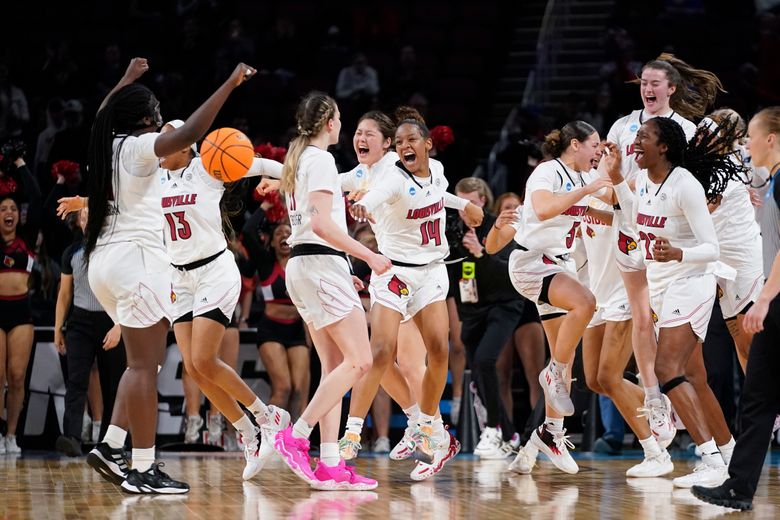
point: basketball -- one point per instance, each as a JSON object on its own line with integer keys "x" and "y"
{"x": 227, "y": 154}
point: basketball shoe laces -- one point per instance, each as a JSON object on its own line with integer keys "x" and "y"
{"x": 561, "y": 440}
{"x": 656, "y": 415}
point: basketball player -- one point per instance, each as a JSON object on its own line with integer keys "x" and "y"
{"x": 606, "y": 346}
{"x": 123, "y": 233}
{"x": 541, "y": 270}
{"x": 680, "y": 250}
{"x": 669, "y": 88}
{"x": 409, "y": 224}
{"x": 321, "y": 287}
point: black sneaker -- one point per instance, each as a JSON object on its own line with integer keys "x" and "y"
{"x": 109, "y": 462}
{"x": 68, "y": 446}
{"x": 723, "y": 495}
{"x": 153, "y": 480}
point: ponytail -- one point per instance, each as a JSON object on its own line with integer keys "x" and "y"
{"x": 557, "y": 141}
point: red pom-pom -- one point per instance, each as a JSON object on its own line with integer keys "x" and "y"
{"x": 269, "y": 151}
{"x": 442, "y": 137}
{"x": 68, "y": 169}
{"x": 7, "y": 185}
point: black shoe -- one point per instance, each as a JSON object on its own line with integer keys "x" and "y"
{"x": 68, "y": 446}
{"x": 153, "y": 480}
{"x": 109, "y": 462}
{"x": 723, "y": 495}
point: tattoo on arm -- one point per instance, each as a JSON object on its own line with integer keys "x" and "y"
{"x": 314, "y": 211}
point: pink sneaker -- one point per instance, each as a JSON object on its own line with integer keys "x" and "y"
{"x": 340, "y": 477}
{"x": 295, "y": 453}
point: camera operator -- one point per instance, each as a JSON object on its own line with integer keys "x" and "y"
{"x": 489, "y": 308}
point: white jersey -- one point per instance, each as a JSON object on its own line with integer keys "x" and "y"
{"x": 316, "y": 172}
{"x": 134, "y": 213}
{"x": 411, "y": 224}
{"x": 190, "y": 205}
{"x": 623, "y": 134}
{"x": 676, "y": 210}
{"x": 598, "y": 237}
{"x": 738, "y": 232}
{"x": 555, "y": 235}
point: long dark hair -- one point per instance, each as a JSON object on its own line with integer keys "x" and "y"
{"x": 122, "y": 115}
{"x": 708, "y": 155}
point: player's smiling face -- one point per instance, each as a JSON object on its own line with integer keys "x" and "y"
{"x": 585, "y": 152}
{"x": 647, "y": 149}
{"x": 369, "y": 143}
{"x": 655, "y": 90}
{"x": 412, "y": 147}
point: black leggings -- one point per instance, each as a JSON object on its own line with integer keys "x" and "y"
{"x": 485, "y": 333}
{"x": 84, "y": 343}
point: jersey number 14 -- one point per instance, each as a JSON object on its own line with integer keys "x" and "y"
{"x": 430, "y": 231}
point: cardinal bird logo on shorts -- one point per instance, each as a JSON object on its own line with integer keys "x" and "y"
{"x": 547, "y": 260}
{"x": 173, "y": 295}
{"x": 626, "y": 244}
{"x": 590, "y": 232}
{"x": 398, "y": 287}
{"x": 655, "y": 316}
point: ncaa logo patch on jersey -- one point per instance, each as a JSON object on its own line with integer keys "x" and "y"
{"x": 641, "y": 191}
{"x": 568, "y": 186}
{"x": 634, "y": 127}
{"x": 412, "y": 191}
{"x": 359, "y": 173}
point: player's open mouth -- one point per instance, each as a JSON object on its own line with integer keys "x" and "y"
{"x": 8, "y": 221}
{"x": 409, "y": 157}
{"x": 362, "y": 151}
{"x": 638, "y": 154}
{"x": 650, "y": 100}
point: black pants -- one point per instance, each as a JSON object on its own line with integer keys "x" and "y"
{"x": 485, "y": 333}
{"x": 760, "y": 404}
{"x": 83, "y": 343}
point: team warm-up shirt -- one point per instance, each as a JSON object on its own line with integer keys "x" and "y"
{"x": 676, "y": 210}
{"x": 190, "y": 205}
{"x": 134, "y": 212}
{"x": 554, "y": 236}
{"x": 316, "y": 172}
{"x": 598, "y": 238}
{"x": 623, "y": 134}
{"x": 413, "y": 220}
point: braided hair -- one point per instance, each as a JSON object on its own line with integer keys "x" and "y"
{"x": 708, "y": 155}
{"x": 406, "y": 115}
{"x": 122, "y": 115}
{"x": 314, "y": 112}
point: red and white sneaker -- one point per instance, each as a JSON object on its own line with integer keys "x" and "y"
{"x": 295, "y": 453}
{"x": 556, "y": 446}
{"x": 659, "y": 416}
{"x": 341, "y": 477}
{"x": 405, "y": 447}
{"x": 440, "y": 457}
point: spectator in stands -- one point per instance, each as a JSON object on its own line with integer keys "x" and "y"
{"x": 357, "y": 88}
{"x": 71, "y": 142}
{"x": 14, "y": 114}
{"x": 55, "y": 122}
{"x": 19, "y": 232}
{"x": 89, "y": 335}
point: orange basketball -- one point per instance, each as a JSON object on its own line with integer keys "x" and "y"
{"x": 227, "y": 154}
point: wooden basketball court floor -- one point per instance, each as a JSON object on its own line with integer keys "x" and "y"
{"x": 45, "y": 486}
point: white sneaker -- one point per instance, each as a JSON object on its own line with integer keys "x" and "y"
{"x": 525, "y": 460}
{"x": 490, "y": 445}
{"x": 10, "y": 445}
{"x": 555, "y": 392}
{"x": 405, "y": 447}
{"x": 445, "y": 452}
{"x": 254, "y": 463}
{"x": 215, "y": 427}
{"x": 652, "y": 466}
{"x": 556, "y": 446}
{"x": 381, "y": 445}
{"x": 192, "y": 429}
{"x": 659, "y": 416}
{"x": 703, "y": 475}
{"x": 275, "y": 418}
{"x": 2, "y": 444}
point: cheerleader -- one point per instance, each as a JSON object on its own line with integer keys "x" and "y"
{"x": 541, "y": 270}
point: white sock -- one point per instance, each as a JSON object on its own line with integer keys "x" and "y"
{"x": 423, "y": 419}
{"x": 438, "y": 426}
{"x": 651, "y": 447}
{"x": 302, "y": 430}
{"x": 727, "y": 450}
{"x": 115, "y": 437}
{"x": 329, "y": 453}
{"x": 258, "y": 407}
{"x": 653, "y": 392}
{"x": 143, "y": 458}
{"x": 412, "y": 412}
{"x": 245, "y": 428}
{"x": 554, "y": 424}
{"x": 710, "y": 454}
{"x": 355, "y": 426}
